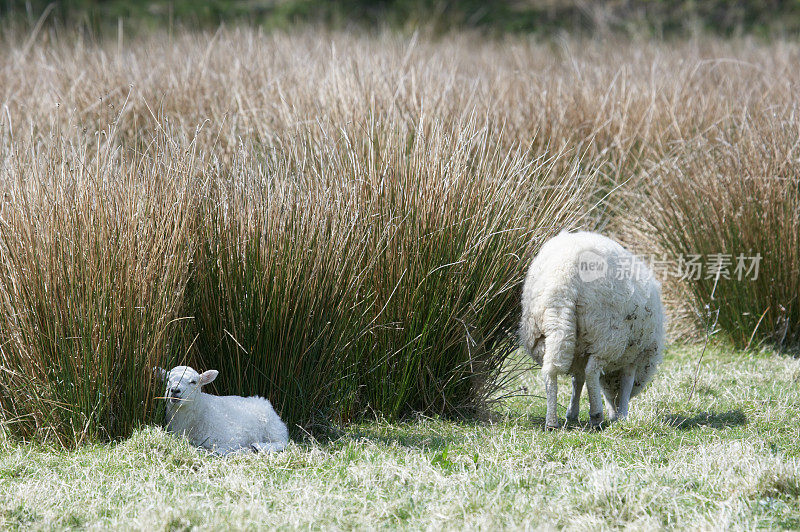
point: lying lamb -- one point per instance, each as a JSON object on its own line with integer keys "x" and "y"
{"x": 221, "y": 424}
{"x": 591, "y": 309}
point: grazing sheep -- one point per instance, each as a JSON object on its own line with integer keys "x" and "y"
{"x": 221, "y": 424}
{"x": 591, "y": 309}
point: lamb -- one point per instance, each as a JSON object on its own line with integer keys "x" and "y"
{"x": 591, "y": 309}
{"x": 220, "y": 424}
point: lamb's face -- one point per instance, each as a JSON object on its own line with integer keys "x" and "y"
{"x": 183, "y": 383}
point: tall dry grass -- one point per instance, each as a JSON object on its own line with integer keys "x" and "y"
{"x": 350, "y": 263}
{"x": 95, "y": 250}
{"x": 339, "y": 222}
{"x": 735, "y": 191}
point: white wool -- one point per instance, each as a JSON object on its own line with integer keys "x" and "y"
{"x": 604, "y": 326}
{"x": 221, "y": 424}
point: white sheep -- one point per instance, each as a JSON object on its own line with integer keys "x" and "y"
{"x": 221, "y": 424}
{"x": 591, "y": 309}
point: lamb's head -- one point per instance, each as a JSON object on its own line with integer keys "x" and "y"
{"x": 183, "y": 383}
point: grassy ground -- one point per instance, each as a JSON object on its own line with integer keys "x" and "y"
{"x": 727, "y": 458}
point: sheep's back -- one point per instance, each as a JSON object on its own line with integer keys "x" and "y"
{"x": 252, "y": 409}
{"x": 620, "y": 316}
{"x": 271, "y": 427}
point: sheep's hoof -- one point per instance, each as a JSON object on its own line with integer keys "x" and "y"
{"x": 551, "y": 427}
{"x": 572, "y": 420}
{"x": 596, "y": 421}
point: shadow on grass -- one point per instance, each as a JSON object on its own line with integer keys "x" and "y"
{"x": 714, "y": 420}
{"x": 405, "y": 433}
{"x": 538, "y": 422}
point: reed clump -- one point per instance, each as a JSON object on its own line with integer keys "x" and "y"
{"x": 729, "y": 200}
{"x": 356, "y": 264}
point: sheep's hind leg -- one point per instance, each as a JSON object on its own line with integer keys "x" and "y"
{"x": 625, "y": 387}
{"x": 593, "y": 389}
{"x": 268, "y": 447}
{"x": 558, "y": 357}
{"x": 575, "y": 401}
{"x": 551, "y": 391}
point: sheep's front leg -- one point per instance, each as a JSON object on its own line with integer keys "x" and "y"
{"x": 594, "y": 391}
{"x": 575, "y": 401}
{"x": 626, "y": 385}
{"x": 551, "y": 391}
{"x": 268, "y": 447}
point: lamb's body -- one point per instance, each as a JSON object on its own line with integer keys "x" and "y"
{"x": 221, "y": 424}
{"x": 605, "y": 327}
{"x": 224, "y": 424}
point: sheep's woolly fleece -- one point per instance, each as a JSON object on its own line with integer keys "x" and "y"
{"x": 587, "y": 300}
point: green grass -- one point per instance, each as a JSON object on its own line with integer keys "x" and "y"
{"x": 726, "y": 459}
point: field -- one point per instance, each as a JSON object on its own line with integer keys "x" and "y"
{"x": 726, "y": 459}
{"x": 341, "y": 222}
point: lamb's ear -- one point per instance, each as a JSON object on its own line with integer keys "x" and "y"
{"x": 208, "y": 376}
{"x": 160, "y": 372}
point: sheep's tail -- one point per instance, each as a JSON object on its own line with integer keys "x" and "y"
{"x": 560, "y": 326}
{"x": 550, "y": 338}
{"x": 529, "y": 332}
{"x": 532, "y": 338}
